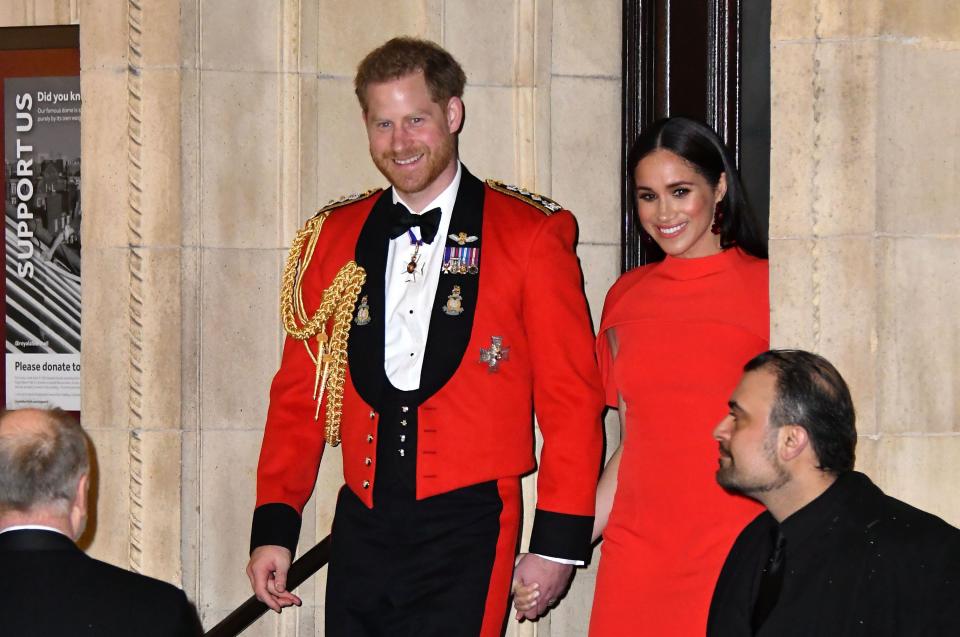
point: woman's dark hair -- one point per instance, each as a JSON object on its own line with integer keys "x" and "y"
{"x": 697, "y": 144}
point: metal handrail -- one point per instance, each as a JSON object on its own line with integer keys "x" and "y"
{"x": 251, "y": 610}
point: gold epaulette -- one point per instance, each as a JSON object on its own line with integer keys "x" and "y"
{"x": 544, "y": 204}
{"x": 333, "y": 204}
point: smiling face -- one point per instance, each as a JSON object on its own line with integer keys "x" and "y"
{"x": 412, "y": 138}
{"x": 749, "y": 445}
{"x": 676, "y": 203}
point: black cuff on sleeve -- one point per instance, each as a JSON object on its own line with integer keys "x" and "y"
{"x": 561, "y": 535}
{"x": 275, "y": 523}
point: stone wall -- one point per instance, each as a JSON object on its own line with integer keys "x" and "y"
{"x": 864, "y": 232}
{"x": 212, "y": 128}
{"x": 131, "y": 394}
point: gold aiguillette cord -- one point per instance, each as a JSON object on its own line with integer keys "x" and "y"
{"x": 337, "y": 303}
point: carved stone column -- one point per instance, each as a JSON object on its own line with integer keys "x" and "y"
{"x": 130, "y": 80}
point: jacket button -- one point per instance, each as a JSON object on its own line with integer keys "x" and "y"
{"x": 369, "y": 437}
{"x": 404, "y": 409}
{"x": 373, "y": 414}
{"x": 366, "y": 484}
{"x": 368, "y": 461}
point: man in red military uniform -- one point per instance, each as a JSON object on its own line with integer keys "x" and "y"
{"x": 465, "y": 317}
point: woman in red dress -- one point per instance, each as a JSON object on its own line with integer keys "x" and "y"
{"x": 673, "y": 339}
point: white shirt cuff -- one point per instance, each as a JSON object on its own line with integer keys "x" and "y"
{"x": 560, "y": 560}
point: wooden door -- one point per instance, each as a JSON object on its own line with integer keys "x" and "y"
{"x": 704, "y": 59}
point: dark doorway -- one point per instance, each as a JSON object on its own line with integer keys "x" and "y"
{"x": 704, "y": 59}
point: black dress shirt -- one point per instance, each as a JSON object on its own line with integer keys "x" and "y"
{"x": 858, "y": 562}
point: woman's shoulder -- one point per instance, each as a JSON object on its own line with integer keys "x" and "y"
{"x": 629, "y": 282}
{"x": 753, "y": 269}
{"x": 748, "y": 261}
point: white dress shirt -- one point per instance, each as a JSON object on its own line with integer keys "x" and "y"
{"x": 31, "y": 527}
{"x": 409, "y": 298}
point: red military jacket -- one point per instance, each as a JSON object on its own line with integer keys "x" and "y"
{"x": 475, "y": 424}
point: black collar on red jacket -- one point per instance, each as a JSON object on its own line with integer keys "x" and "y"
{"x": 448, "y": 336}
{"x": 366, "y": 342}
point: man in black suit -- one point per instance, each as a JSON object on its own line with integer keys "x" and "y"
{"x": 832, "y": 555}
{"x": 51, "y": 587}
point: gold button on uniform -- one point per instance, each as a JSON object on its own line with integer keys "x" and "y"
{"x": 368, "y": 461}
{"x": 369, "y": 437}
{"x": 366, "y": 484}
{"x": 373, "y": 414}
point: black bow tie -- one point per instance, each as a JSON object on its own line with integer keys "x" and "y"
{"x": 403, "y": 220}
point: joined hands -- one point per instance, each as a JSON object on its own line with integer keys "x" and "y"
{"x": 537, "y": 585}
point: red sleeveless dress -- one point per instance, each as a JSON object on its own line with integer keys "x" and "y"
{"x": 685, "y": 328}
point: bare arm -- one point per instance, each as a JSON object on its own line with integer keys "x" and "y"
{"x": 607, "y": 487}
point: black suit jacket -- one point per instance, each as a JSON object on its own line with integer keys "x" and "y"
{"x": 50, "y": 588}
{"x": 858, "y": 563}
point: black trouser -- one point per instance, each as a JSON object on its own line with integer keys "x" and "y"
{"x": 410, "y": 568}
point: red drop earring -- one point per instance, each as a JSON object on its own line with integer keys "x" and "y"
{"x": 717, "y": 220}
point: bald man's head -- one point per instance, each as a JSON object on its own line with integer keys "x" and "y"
{"x": 43, "y": 456}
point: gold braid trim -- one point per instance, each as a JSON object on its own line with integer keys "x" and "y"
{"x": 544, "y": 204}
{"x": 337, "y": 303}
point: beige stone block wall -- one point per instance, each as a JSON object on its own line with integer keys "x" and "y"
{"x": 25, "y": 13}
{"x": 864, "y": 231}
{"x": 130, "y": 331}
{"x": 132, "y": 288}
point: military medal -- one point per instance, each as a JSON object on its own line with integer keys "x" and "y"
{"x": 363, "y": 312}
{"x": 494, "y": 354}
{"x": 451, "y": 266}
{"x": 458, "y": 260}
{"x": 454, "y": 305}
